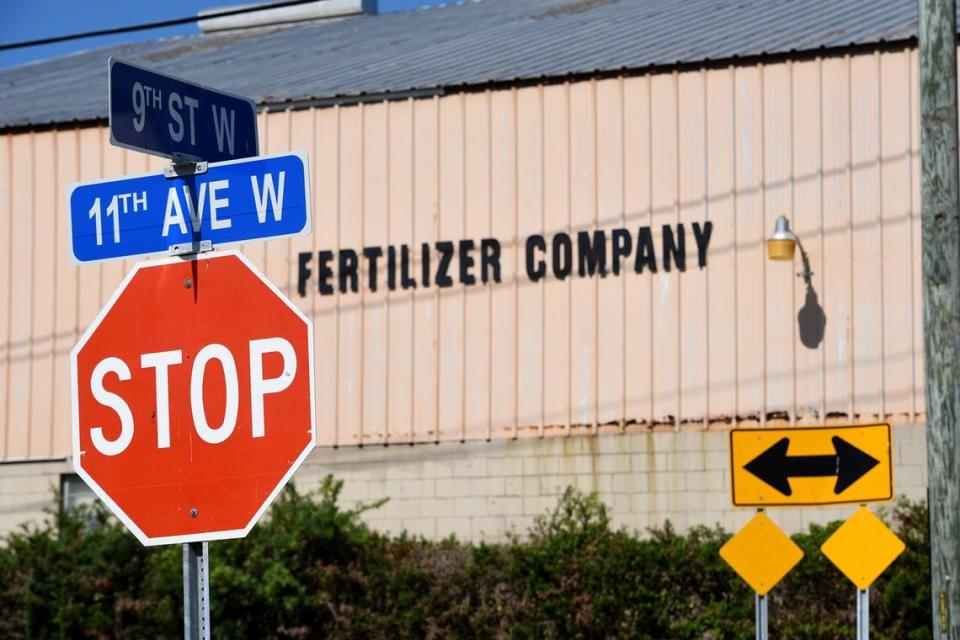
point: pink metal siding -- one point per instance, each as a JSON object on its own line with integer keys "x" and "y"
{"x": 832, "y": 143}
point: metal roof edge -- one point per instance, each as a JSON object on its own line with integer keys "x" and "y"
{"x": 519, "y": 82}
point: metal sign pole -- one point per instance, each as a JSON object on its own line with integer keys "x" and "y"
{"x": 196, "y": 591}
{"x": 863, "y": 614}
{"x": 760, "y": 606}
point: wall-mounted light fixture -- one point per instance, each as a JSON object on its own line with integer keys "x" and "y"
{"x": 782, "y": 244}
{"x": 812, "y": 321}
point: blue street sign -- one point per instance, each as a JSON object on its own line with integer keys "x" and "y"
{"x": 235, "y": 201}
{"x": 173, "y": 118}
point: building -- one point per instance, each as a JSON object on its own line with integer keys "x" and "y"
{"x": 592, "y": 182}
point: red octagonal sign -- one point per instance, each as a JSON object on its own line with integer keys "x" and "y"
{"x": 193, "y": 398}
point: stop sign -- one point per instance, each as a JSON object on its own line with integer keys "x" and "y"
{"x": 193, "y": 398}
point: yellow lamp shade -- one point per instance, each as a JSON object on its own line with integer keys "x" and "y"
{"x": 781, "y": 249}
{"x": 782, "y": 242}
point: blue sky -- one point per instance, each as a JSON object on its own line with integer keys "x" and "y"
{"x": 31, "y": 19}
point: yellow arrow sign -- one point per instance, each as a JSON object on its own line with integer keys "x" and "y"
{"x": 811, "y": 465}
{"x": 862, "y": 548}
{"x": 761, "y": 553}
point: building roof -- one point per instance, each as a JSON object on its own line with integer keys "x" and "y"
{"x": 471, "y": 43}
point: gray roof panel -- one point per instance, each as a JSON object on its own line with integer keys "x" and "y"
{"x": 475, "y": 42}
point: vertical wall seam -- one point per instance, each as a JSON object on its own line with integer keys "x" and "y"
{"x": 793, "y": 216}
{"x": 880, "y": 222}
{"x": 7, "y": 338}
{"x": 51, "y": 414}
{"x": 911, "y": 221}
{"x": 706, "y": 275}
{"x": 764, "y": 403}
{"x": 489, "y": 107}
{"x": 623, "y": 283}
{"x": 314, "y": 193}
{"x": 463, "y": 289}
{"x": 32, "y": 304}
{"x": 735, "y": 138}
{"x": 596, "y": 281}
{"x": 516, "y": 268}
{"x": 413, "y": 290}
{"x": 851, "y": 320}
{"x": 676, "y": 216}
{"x": 653, "y": 347}
{"x": 387, "y": 294}
{"x": 569, "y": 425}
{"x": 541, "y": 284}
{"x": 821, "y": 205}
{"x": 437, "y": 208}
{"x": 363, "y": 303}
{"x": 338, "y": 294}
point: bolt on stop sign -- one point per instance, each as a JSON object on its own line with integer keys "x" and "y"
{"x": 193, "y": 398}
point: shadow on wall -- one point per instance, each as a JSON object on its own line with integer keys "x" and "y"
{"x": 811, "y": 320}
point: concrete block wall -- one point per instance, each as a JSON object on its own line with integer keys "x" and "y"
{"x": 485, "y": 490}
{"x": 26, "y": 489}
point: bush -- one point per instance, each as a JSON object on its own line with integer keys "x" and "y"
{"x": 313, "y": 569}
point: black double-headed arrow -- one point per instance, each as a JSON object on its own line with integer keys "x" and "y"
{"x": 847, "y": 463}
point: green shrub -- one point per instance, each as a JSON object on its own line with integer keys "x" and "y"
{"x": 313, "y": 569}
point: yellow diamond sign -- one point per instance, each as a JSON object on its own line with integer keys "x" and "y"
{"x": 862, "y": 548}
{"x": 761, "y": 553}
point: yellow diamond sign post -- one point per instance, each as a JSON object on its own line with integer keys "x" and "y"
{"x": 862, "y": 548}
{"x": 762, "y": 555}
{"x": 807, "y": 467}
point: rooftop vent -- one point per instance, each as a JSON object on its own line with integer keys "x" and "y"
{"x": 318, "y": 10}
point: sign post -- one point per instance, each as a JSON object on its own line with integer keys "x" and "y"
{"x": 762, "y": 555}
{"x": 863, "y": 614}
{"x": 196, "y": 591}
{"x": 193, "y": 390}
{"x": 862, "y": 548}
{"x": 760, "y": 606}
{"x": 810, "y": 466}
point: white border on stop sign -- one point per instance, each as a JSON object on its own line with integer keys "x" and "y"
{"x": 75, "y": 422}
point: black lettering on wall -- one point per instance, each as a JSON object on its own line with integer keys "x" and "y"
{"x": 646, "y": 254}
{"x": 702, "y": 237}
{"x": 443, "y": 279}
{"x": 303, "y": 271}
{"x": 622, "y": 246}
{"x": 676, "y": 249}
{"x": 592, "y": 254}
{"x": 391, "y": 268}
{"x": 324, "y": 272}
{"x": 425, "y": 263}
{"x": 466, "y": 263}
{"x": 372, "y": 254}
{"x": 536, "y": 268}
{"x": 489, "y": 259}
{"x": 406, "y": 280}
{"x": 347, "y": 270}
{"x": 562, "y": 255}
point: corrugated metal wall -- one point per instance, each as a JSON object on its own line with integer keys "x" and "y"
{"x": 832, "y": 143}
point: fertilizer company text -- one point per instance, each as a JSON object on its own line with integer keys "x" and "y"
{"x": 445, "y": 263}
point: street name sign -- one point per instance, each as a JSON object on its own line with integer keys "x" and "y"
{"x": 233, "y": 201}
{"x": 173, "y": 118}
{"x": 761, "y": 553}
{"x": 193, "y": 398}
{"x": 862, "y": 548}
{"x": 811, "y": 465}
